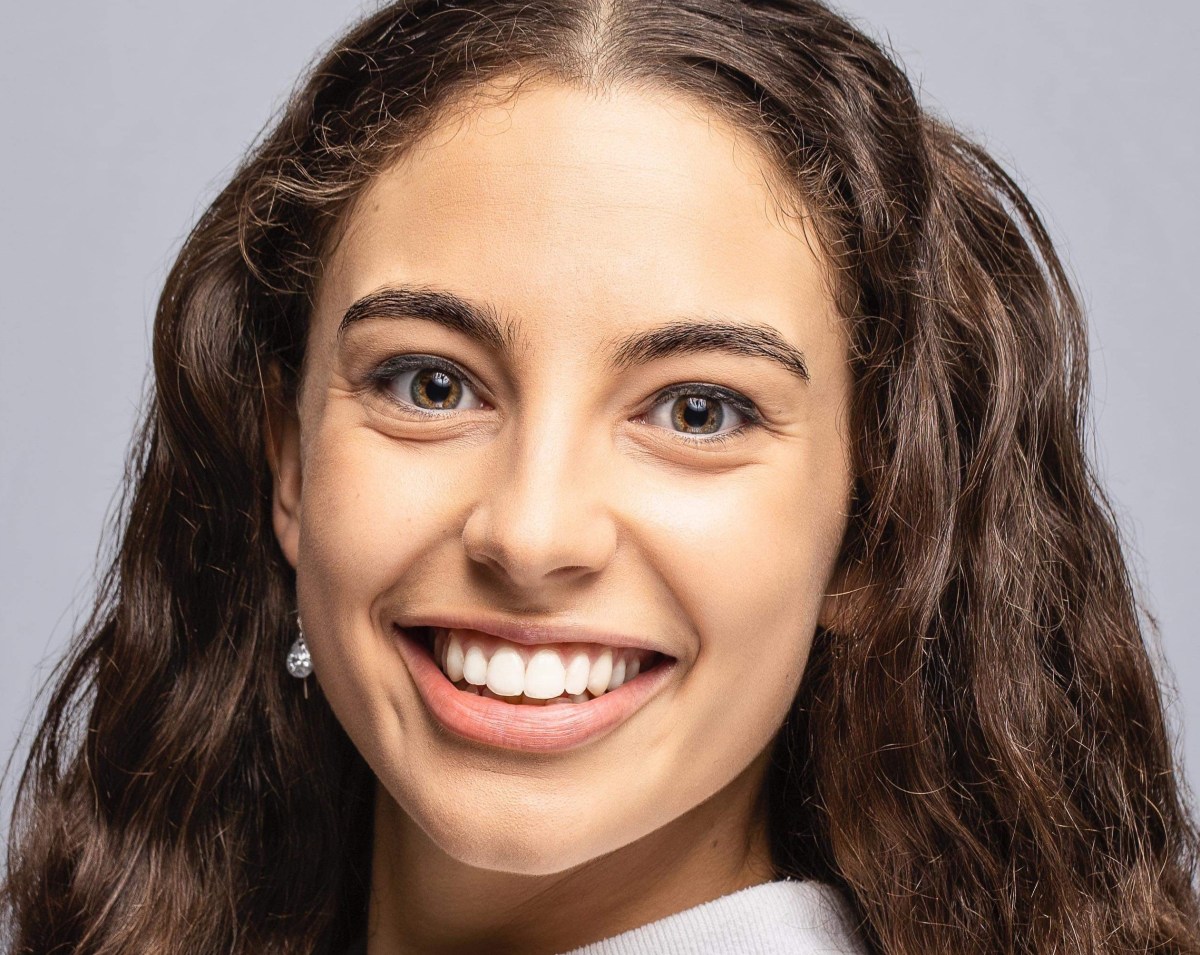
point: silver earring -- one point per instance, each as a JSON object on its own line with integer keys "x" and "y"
{"x": 299, "y": 661}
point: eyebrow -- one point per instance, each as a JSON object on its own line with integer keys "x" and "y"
{"x": 483, "y": 323}
{"x": 719, "y": 335}
{"x": 479, "y": 322}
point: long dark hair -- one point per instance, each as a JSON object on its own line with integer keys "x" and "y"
{"x": 977, "y": 756}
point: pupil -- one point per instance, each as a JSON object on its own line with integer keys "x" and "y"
{"x": 696, "y": 412}
{"x": 433, "y": 387}
{"x": 699, "y": 412}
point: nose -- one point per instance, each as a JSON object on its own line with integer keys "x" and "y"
{"x": 540, "y": 517}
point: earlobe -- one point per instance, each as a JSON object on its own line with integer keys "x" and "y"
{"x": 281, "y": 436}
{"x": 832, "y": 613}
{"x": 828, "y": 614}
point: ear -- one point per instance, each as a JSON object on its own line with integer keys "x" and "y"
{"x": 281, "y": 429}
{"x": 836, "y": 602}
{"x": 829, "y": 613}
{"x": 843, "y": 591}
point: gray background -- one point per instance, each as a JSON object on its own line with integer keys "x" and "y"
{"x": 121, "y": 119}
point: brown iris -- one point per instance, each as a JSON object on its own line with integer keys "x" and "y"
{"x": 696, "y": 411}
{"x": 433, "y": 388}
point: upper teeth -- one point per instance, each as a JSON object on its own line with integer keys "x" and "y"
{"x": 543, "y": 673}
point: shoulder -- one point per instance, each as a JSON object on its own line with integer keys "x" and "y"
{"x": 785, "y": 917}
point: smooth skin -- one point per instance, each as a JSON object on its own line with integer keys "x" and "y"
{"x": 558, "y": 488}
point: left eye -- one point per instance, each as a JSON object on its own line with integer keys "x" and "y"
{"x": 429, "y": 388}
{"x": 696, "y": 413}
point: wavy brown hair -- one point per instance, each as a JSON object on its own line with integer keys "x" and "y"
{"x": 977, "y": 756}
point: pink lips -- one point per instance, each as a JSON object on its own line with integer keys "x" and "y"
{"x": 544, "y": 729}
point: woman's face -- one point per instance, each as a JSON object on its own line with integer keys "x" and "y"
{"x": 569, "y": 366}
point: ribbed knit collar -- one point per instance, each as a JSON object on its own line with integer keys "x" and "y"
{"x": 785, "y": 917}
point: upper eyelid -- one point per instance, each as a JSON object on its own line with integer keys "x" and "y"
{"x": 410, "y": 361}
{"x": 738, "y": 400}
{"x": 391, "y": 367}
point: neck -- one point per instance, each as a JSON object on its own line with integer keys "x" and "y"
{"x": 423, "y": 900}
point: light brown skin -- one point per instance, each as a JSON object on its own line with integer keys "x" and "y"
{"x": 564, "y": 491}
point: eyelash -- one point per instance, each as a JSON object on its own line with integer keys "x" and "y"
{"x": 380, "y": 377}
{"x": 383, "y": 375}
{"x": 743, "y": 405}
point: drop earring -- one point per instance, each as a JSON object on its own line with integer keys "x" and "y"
{"x": 299, "y": 661}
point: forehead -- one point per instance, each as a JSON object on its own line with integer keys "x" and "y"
{"x": 623, "y": 205}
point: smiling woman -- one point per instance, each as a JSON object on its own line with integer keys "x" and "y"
{"x": 613, "y": 484}
{"x": 511, "y": 457}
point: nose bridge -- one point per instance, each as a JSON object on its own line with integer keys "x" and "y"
{"x": 541, "y": 512}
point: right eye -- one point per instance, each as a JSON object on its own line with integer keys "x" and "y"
{"x": 424, "y": 384}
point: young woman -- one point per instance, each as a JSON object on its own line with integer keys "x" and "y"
{"x": 613, "y": 483}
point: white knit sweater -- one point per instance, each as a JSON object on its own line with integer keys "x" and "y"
{"x": 786, "y": 917}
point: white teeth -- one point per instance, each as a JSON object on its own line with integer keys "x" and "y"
{"x": 475, "y": 666}
{"x": 454, "y": 659}
{"x": 601, "y": 671}
{"x": 542, "y": 674}
{"x": 506, "y": 672}
{"x": 617, "y": 677}
{"x": 545, "y": 675}
{"x": 577, "y": 673}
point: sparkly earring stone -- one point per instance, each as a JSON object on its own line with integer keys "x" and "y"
{"x": 299, "y": 662}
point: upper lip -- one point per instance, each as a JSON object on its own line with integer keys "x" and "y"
{"x": 529, "y": 632}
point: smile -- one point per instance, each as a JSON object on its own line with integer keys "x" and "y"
{"x": 544, "y": 698}
{"x": 487, "y": 665}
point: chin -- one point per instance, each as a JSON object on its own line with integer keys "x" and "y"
{"x": 527, "y": 852}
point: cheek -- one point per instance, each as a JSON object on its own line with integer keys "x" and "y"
{"x": 372, "y": 511}
{"x": 747, "y": 557}
{"x": 371, "y": 506}
{"x": 748, "y": 553}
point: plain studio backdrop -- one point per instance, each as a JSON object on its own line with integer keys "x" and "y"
{"x": 123, "y": 118}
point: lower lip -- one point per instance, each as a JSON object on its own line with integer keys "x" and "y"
{"x": 553, "y": 728}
